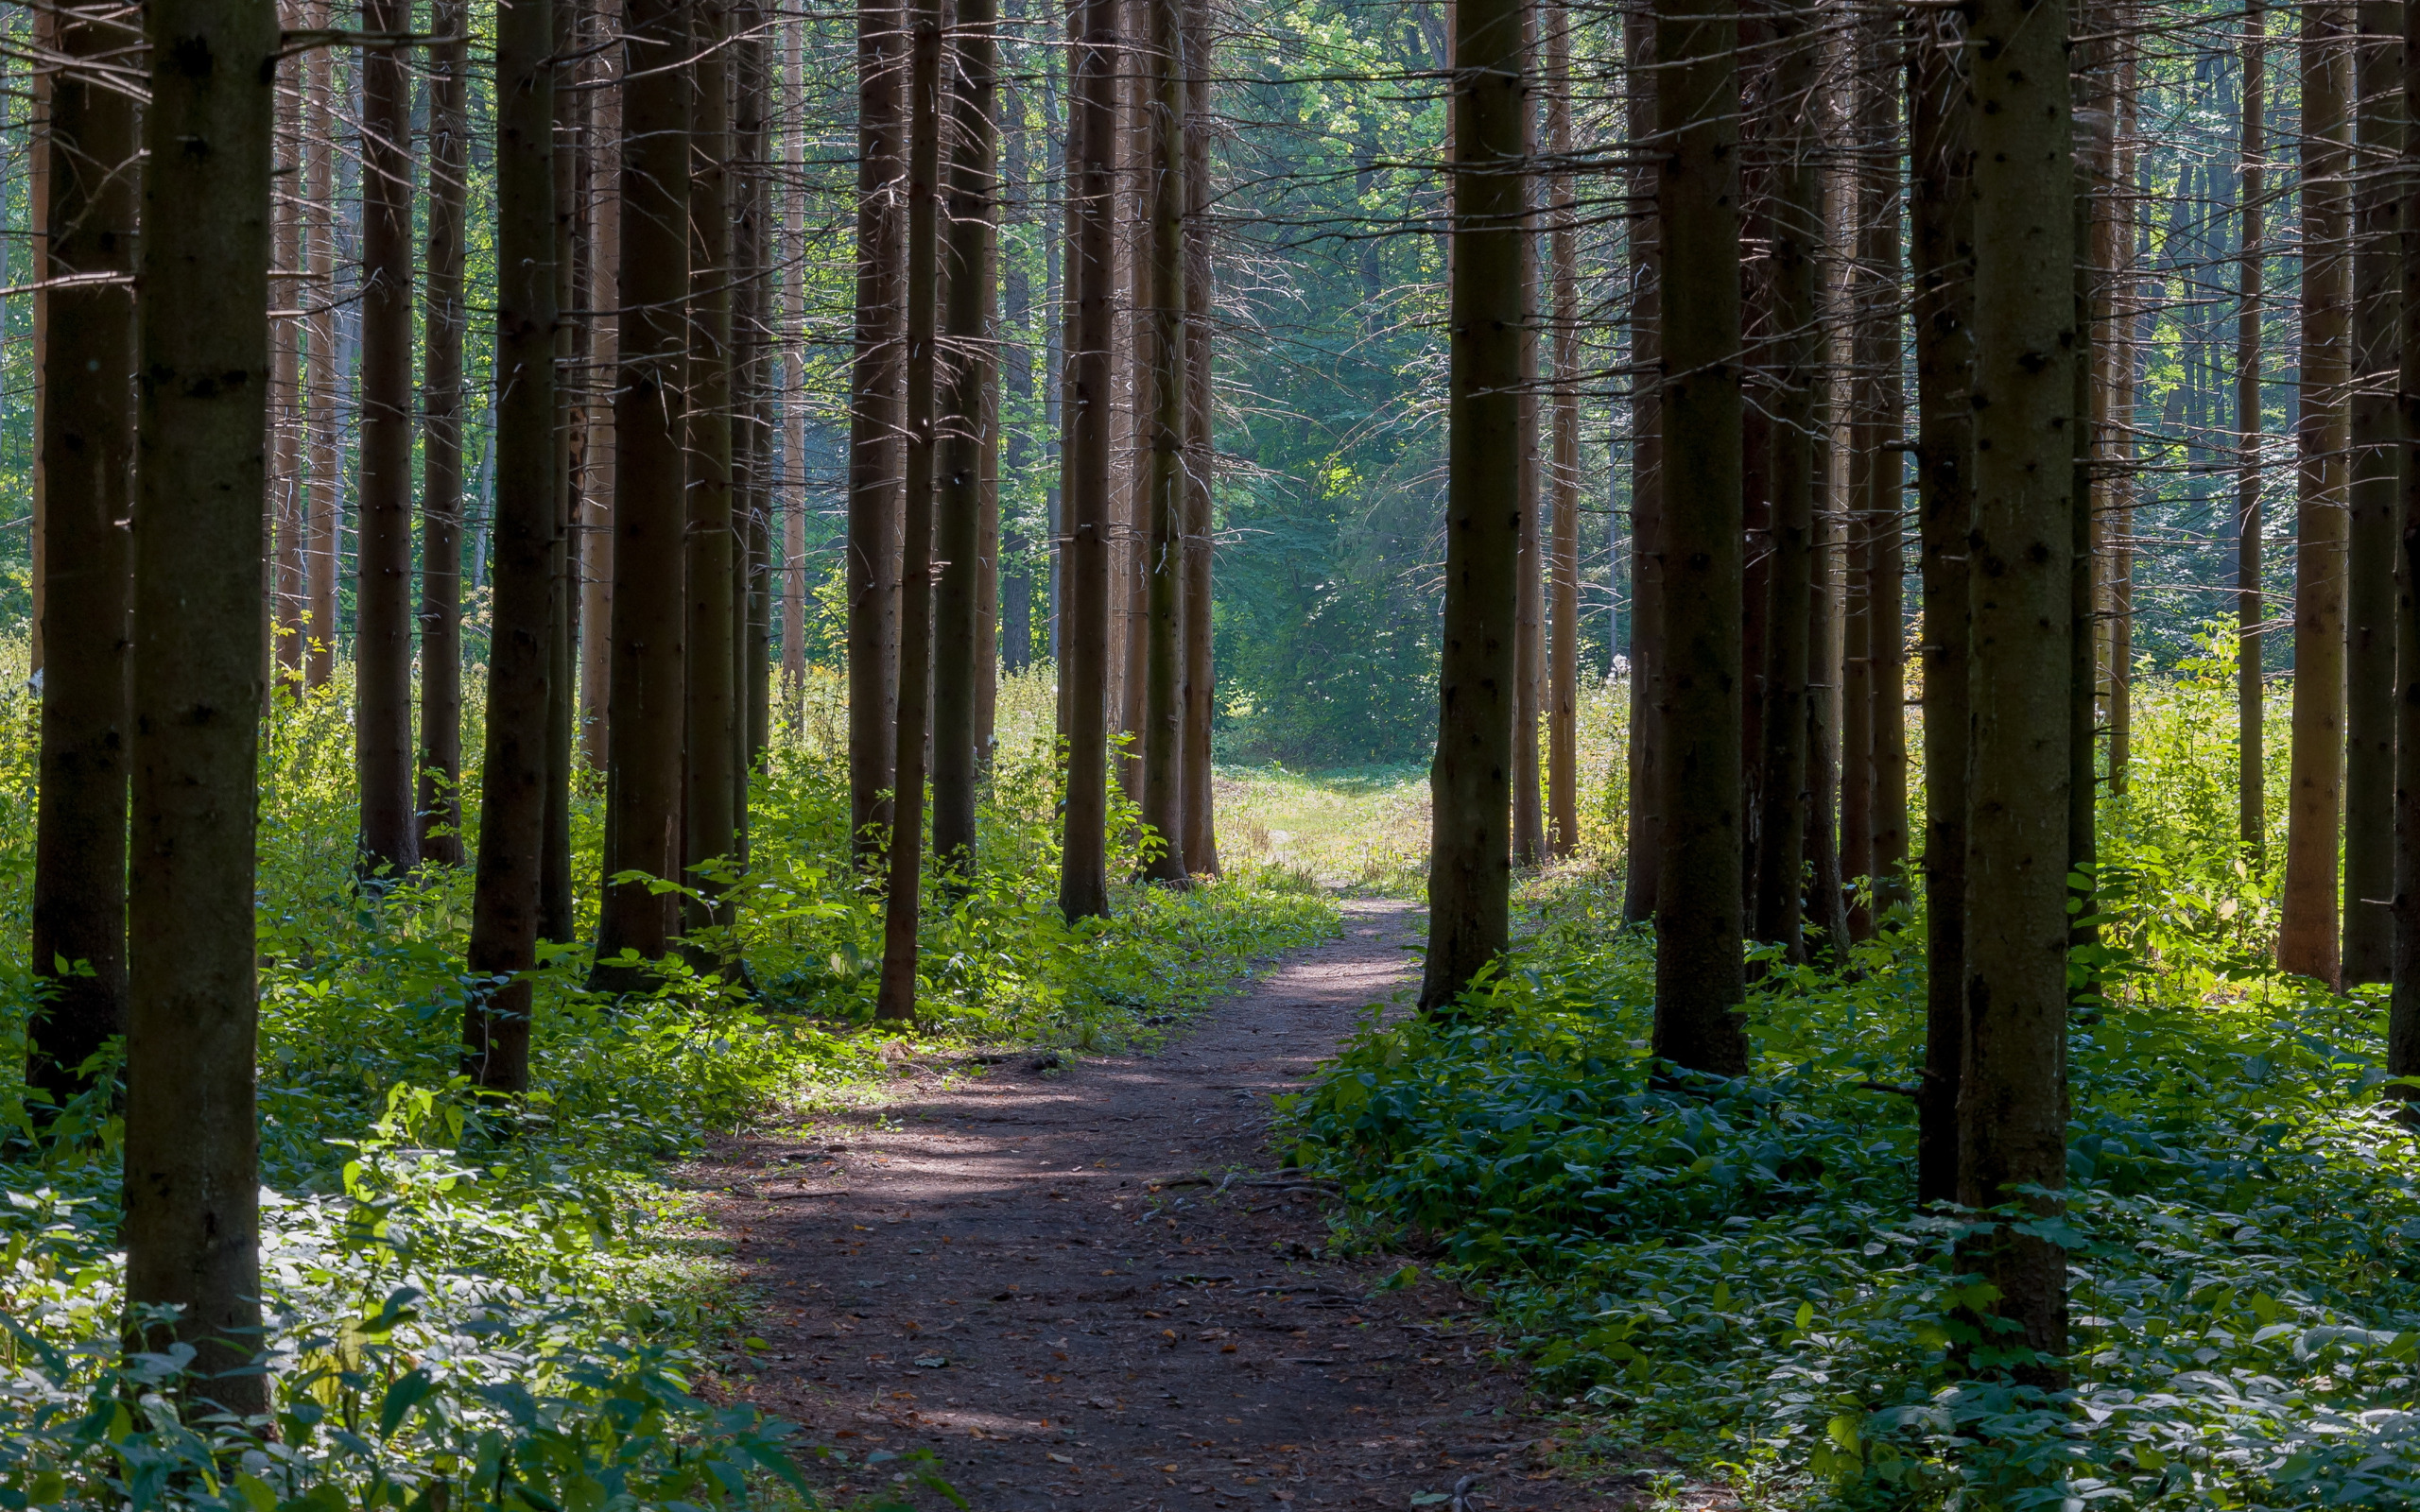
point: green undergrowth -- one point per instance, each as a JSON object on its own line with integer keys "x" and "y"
{"x": 472, "y": 1306}
{"x": 1736, "y": 1280}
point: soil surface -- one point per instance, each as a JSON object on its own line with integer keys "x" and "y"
{"x": 1089, "y": 1285}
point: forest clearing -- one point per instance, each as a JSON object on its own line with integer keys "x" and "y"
{"x": 1180, "y": 754}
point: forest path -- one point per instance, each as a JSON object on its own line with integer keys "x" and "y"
{"x": 984, "y": 1268}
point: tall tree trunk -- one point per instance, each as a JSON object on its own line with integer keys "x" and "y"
{"x": 1642, "y": 865}
{"x": 643, "y": 790}
{"x": 1530, "y": 611}
{"x": 604, "y": 361}
{"x": 2370, "y": 712}
{"x": 2090, "y": 138}
{"x": 192, "y": 1189}
{"x": 1796, "y": 217}
{"x": 1201, "y": 452}
{"x": 1698, "y": 975}
{"x": 1470, "y": 872}
{"x": 1563, "y": 661}
{"x": 1941, "y": 154}
{"x": 556, "y": 919}
{"x": 793, "y": 403}
{"x": 87, "y": 441}
{"x": 753, "y": 141}
{"x": 1133, "y": 336}
{"x": 872, "y": 567}
{"x": 323, "y": 400}
{"x": 2307, "y": 937}
{"x": 2403, "y": 1005}
{"x": 1164, "y": 426}
{"x": 710, "y": 827}
{"x": 514, "y": 770}
{"x": 1088, "y": 389}
{"x": 1872, "y": 301}
{"x": 897, "y": 998}
{"x": 1885, "y": 549}
{"x": 382, "y": 627}
{"x": 291, "y": 599}
{"x": 2252, "y": 805}
{"x": 441, "y": 510}
{"x": 2012, "y": 1101}
{"x": 958, "y": 737}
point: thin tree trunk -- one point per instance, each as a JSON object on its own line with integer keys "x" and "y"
{"x": 1797, "y": 228}
{"x": 897, "y": 998}
{"x": 382, "y": 627}
{"x": 2013, "y": 1103}
{"x": 1529, "y": 610}
{"x": 643, "y": 788}
{"x": 1201, "y": 455}
{"x": 1885, "y": 545}
{"x": 605, "y": 300}
{"x": 2306, "y": 938}
{"x": 91, "y": 140}
{"x": 192, "y": 1189}
{"x": 2252, "y": 804}
{"x": 1089, "y": 396}
{"x": 1871, "y": 299}
{"x": 873, "y": 565}
{"x": 2403, "y": 1005}
{"x": 1563, "y": 697}
{"x": 2090, "y": 134}
{"x": 322, "y": 402}
{"x": 753, "y": 128}
{"x": 958, "y": 736}
{"x": 2369, "y": 705}
{"x": 512, "y": 775}
{"x": 1941, "y": 156}
{"x": 710, "y": 827}
{"x": 1470, "y": 872}
{"x": 441, "y": 510}
{"x": 289, "y": 603}
{"x": 1163, "y": 791}
{"x": 555, "y": 921}
{"x": 1643, "y": 865}
{"x": 1698, "y": 973}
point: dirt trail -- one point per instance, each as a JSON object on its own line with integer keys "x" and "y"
{"x": 988, "y": 1271}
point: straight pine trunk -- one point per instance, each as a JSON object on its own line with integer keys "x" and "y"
{"x": 290, "y": 293}
{"x": 897, "y": 997}
{"x": 596, "y": 541}
{"x": 752, "y": 128}
{"x": 643, "y": 793}
{"x": 1201, "y": 452}
{"x": 2376, "y": 434}
{"x": 958, "y": 735}
{"x": 87, "y": 441}
{"x": 1563, "y": 659}
{"x": 191, "y": 1197}
{"x": 1698, "y": 974}
{"x": 873, "y": 547}
{"x": 382, "y": 603}
{"x": 1083, "y": 666}
{"x": 2306, "y": 936}
{"x": 711, "y": 709}
{"x": 1164, "y": 558}
{"x": 2013, "y": 1099}
{"x": 1642, "y": 865}
{"x": 1470, "y": 870}
{"x": 1529, "y": 619}
{"x": 513, "y": 776}
{"x": 440, "y": 508}
{"x": 322, "y": 423}
{"x": 1941, "y": 155}
{"x": 556, "y": 919}
{"x": 1885, "y": 543}
{"x": 2251, "y": 609}
{"x": 2403, "y": 1004}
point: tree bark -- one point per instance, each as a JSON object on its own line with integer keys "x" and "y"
{"x": 1083, "y": 669}
{"x": 91, "y": 140}
{"x": 596, "y": 542}
{"x": 711, "y": 710}
{"x": 1642, "y": 864}
{"x": 1563, "y": 661}
{"x": 192, "y": 1189}
{"x": 2251, "y": 610}
{"x": 1796, "y": 217}
{"x": 556, "y": 918}
{"x": 752, "y": 132}
{"x": 643, "y": 790}
{"x": 382, "y": 627}
{"x": 872, "y": 567}
{"x": 2403, "y": 1002}
{"x": 958, "y": 735}
{"x": 1941, "y": 155}
{"x": 514, "y": 770}
{"x": 897, "y": 998}
{"x": 321, "y": 419}
{"x": 1201, "y": 455}
{"x": 440, "y": 813}
{"x": 1698, "y": 974}
{"x": 1885, "y": 543}
{"x": 288, "y": 517}
{"x": 1470, "y": 870}
{"x": 1164, "y": 560}
{"x": 2370, "y": 704}
{"x": 1530, "y": 611}
{"x": 2306, "y": 938}
{"x": 2013, "y": 1097}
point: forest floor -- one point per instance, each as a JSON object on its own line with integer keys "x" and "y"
{"x": 1087, "y": 1284}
